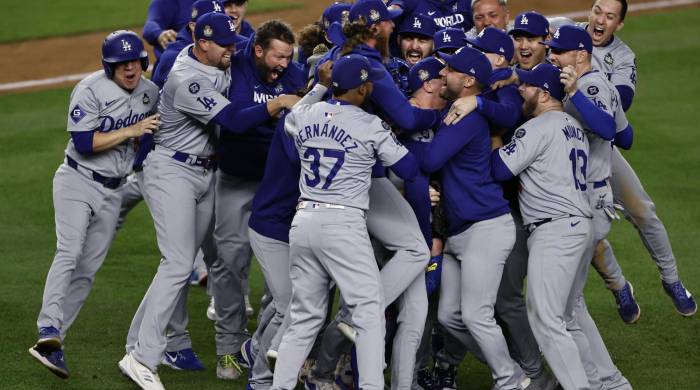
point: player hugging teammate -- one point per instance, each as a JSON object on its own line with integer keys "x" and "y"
{"x": 423, "y": 175}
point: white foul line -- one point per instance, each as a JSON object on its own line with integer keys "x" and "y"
{"x": 572, "y": 15}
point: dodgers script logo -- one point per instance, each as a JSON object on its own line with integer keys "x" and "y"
{"x": 108, "y": 123}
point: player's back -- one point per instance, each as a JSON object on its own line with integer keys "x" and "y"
{"x": 338, "y": 145}
{"x": 99, "y": 104}
{"x": 554, "y": 184}
{"x": 191, "y": 96}
{"x": 596, "y": 87}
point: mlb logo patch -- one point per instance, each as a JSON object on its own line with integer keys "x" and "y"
{"x": 76, "y": 114}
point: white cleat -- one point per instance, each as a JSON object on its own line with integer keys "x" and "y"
{"x": 140, "y": 374}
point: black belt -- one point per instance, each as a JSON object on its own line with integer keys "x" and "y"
{"x": 599, "y": 184}
{"x": 109, "y": 182}
{"x": 197, "y": 161}
{"x": 534, "y": 225}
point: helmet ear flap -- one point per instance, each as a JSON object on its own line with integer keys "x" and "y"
{"x": 109, "y": 69}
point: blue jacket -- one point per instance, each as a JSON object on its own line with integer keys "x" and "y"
{"x": 274, "y": 203}
{"x": 463, "y": 154}
{"x": 244, "y": 155}
{"x": 165, "y": 15}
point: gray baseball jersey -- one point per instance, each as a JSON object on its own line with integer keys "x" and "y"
{"x": 98, "y": 103}
{"x": 338, "y": 145}
{"x": 604, "y": 95}
{"x": 617, "y": 61}
{"x": 550, "y": 153}
{"x": 192, "y": 97}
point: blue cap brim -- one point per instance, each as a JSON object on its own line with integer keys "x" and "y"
{"x": 335, "y": 34}
{"x": 476, "y": 44}
{"x": 556, "y": 45}
{"x": 395, "y": 13}
{"x": 525, "y": 76}
{"x": 228, "y": 41}
{"x": 525, "y": 32}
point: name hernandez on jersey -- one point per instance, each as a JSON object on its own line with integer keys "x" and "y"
{"x": 550, "y": 155}
{"x": 98, "y": 104}
{"x": 338, "y": 144}
{"x": 595, "y": 86}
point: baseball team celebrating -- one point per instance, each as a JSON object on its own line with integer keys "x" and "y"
{"x": 421, "y": 158}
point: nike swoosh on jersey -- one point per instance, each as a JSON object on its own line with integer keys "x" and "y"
{"x": 109, "y": 103}
{"x": 574, "y": 224}
{"x": 431, "y": 13}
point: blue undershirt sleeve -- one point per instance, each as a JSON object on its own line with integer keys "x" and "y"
{"x": 238, "y": 121}
{"x": 504, "y": 113}
{"x": 624, "y": 138}
{"x": 406, "y": 168}
{"x": 447, "y": 142}
{"x": 626, "y": 96}
{"x": 83, "y": 141}
{"x": 393, "y": 103}
{"x": 598, "y": 121}
{"x": 499, "y": 170}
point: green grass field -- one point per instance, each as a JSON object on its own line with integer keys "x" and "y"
{"x": 660, "y": 352}
{"x": 39, "y": 19}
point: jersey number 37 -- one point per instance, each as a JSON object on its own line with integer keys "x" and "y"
{"x": 315, "y": 155}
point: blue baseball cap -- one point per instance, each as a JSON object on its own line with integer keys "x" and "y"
{"x": 352, "y": 70}
{"x": 470, "y": 61}
{"x": 426, "y": 69}
{"x": 493, "y": 40}
{"x": 570, "y": 38}
{"x": 545, "y": 76}
{"x": 449, "y": 38}
{"x": 334, "y": 13}
{"x": 530, "y": 23}
{"x": 201, "y": 7}
{"x": 374, "y": 11}
{"x": 216, "y": 27}
{"x": 417, "y": 24}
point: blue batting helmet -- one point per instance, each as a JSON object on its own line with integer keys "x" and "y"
{"x": 122, "y": 46}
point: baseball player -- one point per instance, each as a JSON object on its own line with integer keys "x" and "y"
{"x": 472, "y": 273}
{"x": 268, "y": 228}
{"x": 237, "y": 10}
{"x": 338, "y": 144}
{"x": 549, "y": 153}
{"x": 448, "y": 40}
{"x": 529, "y": 29}
{"x": 415, "y": 36}
{"x": 489, "y": 13}
{"x": 178, "y": 181}
{"x": 163, "y": 20}
{"x": 108, "y": 110}
{"x": 595, "y": 103}
{"x": 261, "y": 71}
{"x": 614, "y": 58}
{"x": 183, "y": 39}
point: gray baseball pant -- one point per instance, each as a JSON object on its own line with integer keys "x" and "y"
{"x": 273, "y": 258}
{"x": 610, "y": 376}
{"x": 479, "y": 261}
{"x": 181, "y": 200}
{"x": 640, "y": 210}
{"x": 230, "y": 270}
{"x": 332, "y": 244}
{"x": 85, "y": 214}
{"x": 556, "y": 258}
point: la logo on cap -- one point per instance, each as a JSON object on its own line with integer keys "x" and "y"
{"x": 423, "y": 74}
{"x": 126, "y": 46}
{"x": 524, "y": 20}
{"x": 216, "y": 5}
{"x": 416, "y": 23}
{"x": 231, "y": 26}
{"x": 373, "y": 15}
{"x": 363, "y": 75}
{"x": 446, "y": 37}
{"x": 556, "y": 34}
